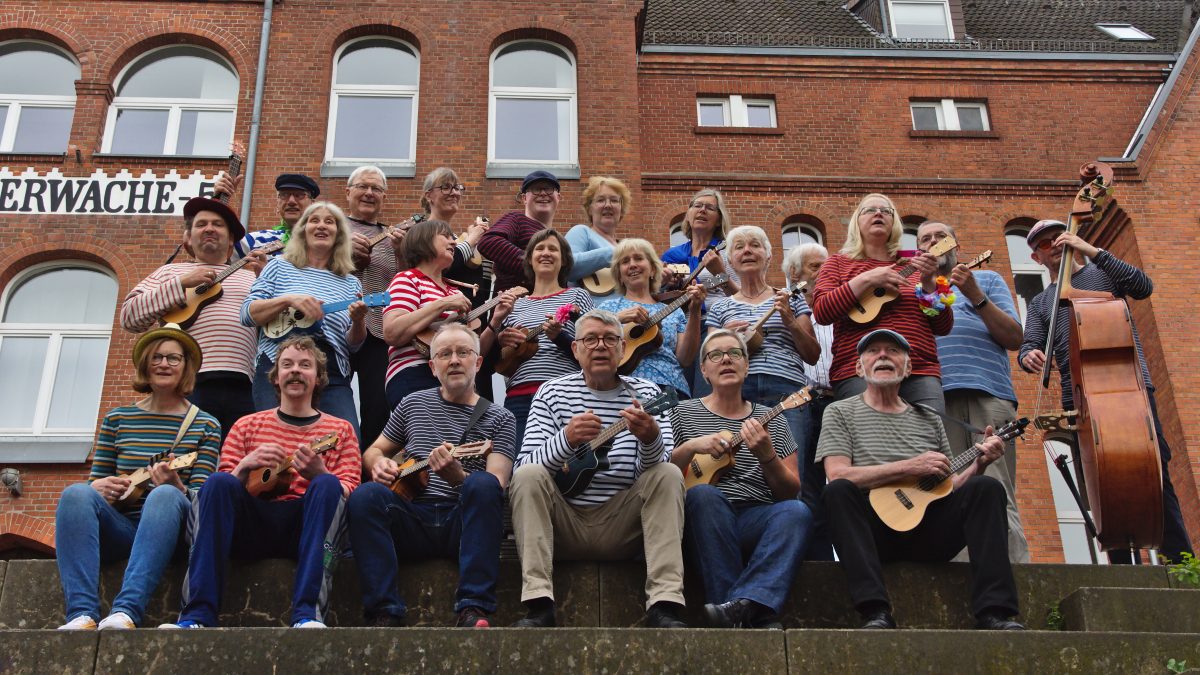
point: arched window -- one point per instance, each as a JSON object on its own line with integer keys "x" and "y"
{"x": 55, "y": 324}
{"x": 178, "y": 100}
{"x": 373, "y": 104}
{"x": 801, "y": 229}
{"x": 37, "y": 97}
{"x": 1029, "y": 277}
{"x": 677, "y": 235}
{"x": 532, "y": 117}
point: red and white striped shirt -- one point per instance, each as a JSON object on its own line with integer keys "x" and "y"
{"x": 253, "y": 431}
{"x": 410, "y": 291}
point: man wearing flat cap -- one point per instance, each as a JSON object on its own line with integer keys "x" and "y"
{"x": 294, "y": 192}
{"x": 504, "y": 242}
{"x": 877, "y": 439}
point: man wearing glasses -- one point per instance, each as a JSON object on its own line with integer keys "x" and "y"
{"x": 504, "y": 242}
{"x": 294, "y": 192}
{"x": 460, "y": 513}
{"x": 634, "y": 504}
{"x": 1104, "y": 272}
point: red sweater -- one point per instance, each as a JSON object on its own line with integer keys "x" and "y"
{"x": 833, "y": 299}
{"x": 254, "y": 430}
{"x": 504, "y": 244}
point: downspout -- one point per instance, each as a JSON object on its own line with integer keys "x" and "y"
{"x": 260, "y": 77}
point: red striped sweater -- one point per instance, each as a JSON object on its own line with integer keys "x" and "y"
{"x": 253, "y": 431}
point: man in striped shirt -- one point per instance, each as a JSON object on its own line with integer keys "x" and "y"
{"x": 294, "y": 192}
{"x": 504, "y": 242}
{"x": 1105, "y": 272}
{"x": 637, "y": 485}
{"x": 304, "y": 518}
{"x": 223, "y": 384}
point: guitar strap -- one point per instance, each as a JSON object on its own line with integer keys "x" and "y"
{"x": 185, "y": 425}
{"x": 481, "y": 407}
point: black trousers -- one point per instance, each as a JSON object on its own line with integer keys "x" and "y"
{"x": 370, "y": 363}
{"x": 974, "y": 515}
{"x": 226, "y": 395}
{"x": 812, "y": 484}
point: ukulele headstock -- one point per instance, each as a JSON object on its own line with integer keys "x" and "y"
{"x": 980, "y": 259}
{"x": 1013, "y": 429}
{"x": 661, "y": 403}
{"x": 473, "y": 449}
{"x": 942, "y": 247}
{"x": 800, "y": 398}
{"x": 324, "y": 443}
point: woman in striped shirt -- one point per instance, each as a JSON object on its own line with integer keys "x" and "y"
{"x": 548, "y": 263}
{"x": 90, "y": 528}
{"x": 315, "y": 268}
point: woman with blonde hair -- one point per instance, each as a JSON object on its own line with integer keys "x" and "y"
{"x": 606, "y": 202}
{"x": 705, "y": 224}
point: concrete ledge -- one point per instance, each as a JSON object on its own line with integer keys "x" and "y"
{"x": 1133, "y": 610}
{"x": 47, "y": 652}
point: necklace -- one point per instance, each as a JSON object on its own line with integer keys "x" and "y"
{"x": 758, "y": 295}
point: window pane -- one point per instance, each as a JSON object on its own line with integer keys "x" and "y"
{"x": 533, "y": 65}
{"x": 920, "y": 20}
{"x": 378, "y": 61}
{"x": 64, "y": 295}
{"x": 759, "y": 116}
{"x": 532, "y": 129}
{"x": 677, "y": 235}
{"x": 3, "y": 117}
{"x": 373, "y": 127}
{"x": 908, "y": 240}
{"x": 204, "y": 132}
{"x": 21, "y": 360}
{"x": 180, "y": 72}
{"x": 33, "y": 68}
{"x": 77, "y": 383}
{"x": 924, "y": 118}
{"x": 139, "y": 132}
{"x": 1018, "y": 249}
{"x": 970, "y": 118}
{"x": 712, "y": 115}
{"x": 1028, "y": 286}
{"x": 43, "y": 129}
{"x": 791, "y": 238}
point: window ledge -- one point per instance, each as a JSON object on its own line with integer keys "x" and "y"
{"x": 940, "y": 133}
{"x": 522, "y": 169}
{"x": 334, "y": 168}
{"x": 173, "y": 158}
{"x": 745, "y": 131}
{"x": 34, "y": 157}
{"x": 45, "y": 449}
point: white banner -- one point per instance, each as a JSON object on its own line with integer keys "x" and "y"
{"x": 99, "y": 194}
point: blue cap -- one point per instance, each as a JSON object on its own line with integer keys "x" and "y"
{"x": 537, "y": 176}
{"x": 885, "y": 333}
{"x": 298, "y": 181}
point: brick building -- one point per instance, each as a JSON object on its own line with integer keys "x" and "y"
{"x": 976, "y": 112}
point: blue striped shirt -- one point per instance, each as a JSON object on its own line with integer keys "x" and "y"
{"x": 778, "y": 355}
{"x": 970, "y": 358}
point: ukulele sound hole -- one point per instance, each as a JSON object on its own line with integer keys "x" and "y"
{"x": 298, "y": 315}
{"x": 879, "y": 292}
{"x": 637, "y": 332}
{"x": 266, "y": 476}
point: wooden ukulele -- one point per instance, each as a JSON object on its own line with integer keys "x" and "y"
{"x": 425, "y": 338}
{"x": 754, "y": 333}
{"x": 387, "y": 231}
{"x": 476, "y": 260}
{"x": 643, "y": 338}
{"x": 414, "y": 475}
{"x": 901, "y": 505}
{"x": 271, "y": 481}
{"x": 141, "y": 477}
{"x": 292, "y": 320}
{"x": 600, "y": 282}
{"x": 511, "y": 358}
{"x": 704, "y": 469}
{"x": 872, "y": 301}
{"x": 592, "y": 457}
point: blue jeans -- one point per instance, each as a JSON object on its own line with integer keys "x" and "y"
{"x": 407, "y": 381}
{"x": 88, "y": 531}
{"x": 769, "y": 390}
{"x": 519, "y": 407}
{"x": 385, "y": 529}
{"x": 749, "y": 551}
{"x": 337, "y": 398}
{"x": 231, "y": 523}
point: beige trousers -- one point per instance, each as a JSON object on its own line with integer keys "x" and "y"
{"x": 649, "y": 514}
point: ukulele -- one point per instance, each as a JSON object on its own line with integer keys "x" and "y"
{"x": 872, "y": 301}
{"x": 476, "y": 259}
{"x": 643, "y": 338}
{"x": 414, "y": 475}
{"x": 511, "y": 358}
{"x": 600, "y": 282}
{"x": 374, "y": 241}
{"x": 704, "y": 469}
{"x": 141, "y": 477}
{"x": 901, "y": 505}
{"x": 425, "y": 338}
{"x": 592, "y": 457}
{"x": 272, "y": 481}
{"x": 754, "y": 333}
{"x": 292, "y": 320}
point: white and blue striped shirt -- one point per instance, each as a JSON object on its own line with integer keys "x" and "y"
{"x": 551, "y": 359}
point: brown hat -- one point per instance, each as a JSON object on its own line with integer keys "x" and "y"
{"x": 170, "y": 331}
{"x": 197, "y": 204}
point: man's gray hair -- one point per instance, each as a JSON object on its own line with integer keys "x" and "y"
{"x": 366, "y": 168}
{"x": 794, "y": 260}
{"x": 599, "y": 315}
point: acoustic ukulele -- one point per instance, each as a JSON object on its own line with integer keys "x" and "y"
{"x": 425, "y": 338}
{"x": 872, "y": 301}
{"x": 511, "y": 358}
{"x": 476, "y": 258}
{"x": 704, "y": 469}
{"x": 141, "y": 477}
{"x": 292, "y": 320}
{"x": 387, "y": 231}
{"x": 414, "y": 475}
{"x": 643, "y": 338}
{"x": 271, "y": 481}
{"x": 600, "y": 282}
{"x": 754, "y": 333}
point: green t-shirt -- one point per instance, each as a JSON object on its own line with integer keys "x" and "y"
{"x": 853, "y": 429}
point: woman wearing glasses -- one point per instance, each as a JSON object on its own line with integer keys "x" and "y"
{"x": 92, "y": 525}
{"x": 753, "y": 507}
{"x": 442, "y": 195}
{"x": 705, "y": 224}
{"x": 605, "y": 203}
{"x": 868, "y": 261}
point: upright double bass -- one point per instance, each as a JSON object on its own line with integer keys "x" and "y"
{"x": 1118, "y": 447}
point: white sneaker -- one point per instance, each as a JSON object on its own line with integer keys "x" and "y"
{"x": 117, "y": 621}
{"x": 309, "y": 623}
{"x": 84, "y": 622}
{"x": 182, "y": 625}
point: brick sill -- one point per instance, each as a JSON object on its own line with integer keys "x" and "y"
{"x": 744, "y": 131}
{"x": 931, "y": 133}
{"x": 33, "y": 157}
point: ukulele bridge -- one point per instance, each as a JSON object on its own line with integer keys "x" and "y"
{"x": 903, "y": 499}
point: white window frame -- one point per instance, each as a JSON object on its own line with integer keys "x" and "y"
{"x": 945, "y": 4}
{"x": 376, "y": 91}
{"x": 1135, "y": 34}
{"x": 522, "y": 166}
{"x": 15, "y": 102}
{"x": 173, "y": 106}
{"x": 736, "y": 110}
{"x": 1025, "y": 266}
{"x": 947, "y": 113}
{"x": 800, "y": 228}
{"x": 676, "y": 228}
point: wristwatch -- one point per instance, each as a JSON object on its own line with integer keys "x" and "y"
{"x": 981, "y": 304}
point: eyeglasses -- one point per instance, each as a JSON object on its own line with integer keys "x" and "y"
{"x": 370, "y": 188}
{"x": 615, "y": 201}
{"x": 593, "y": 341}
{"x": 1044, "y": 244}
{"x": 173, "y": 359}
{"x": 882, "y": 210}
{"x": 463, "y": 353}
{"x": 297, "y": 195}
{"x": 717, "y": 355}
{"x": 542, "y": 191}
{"x": 704, "y": 206}
{"x": 451, "y": 189}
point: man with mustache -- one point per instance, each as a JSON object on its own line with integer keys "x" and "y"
{"x": 223, "y": 385}
{"x": 1103, "y": 272}
{"x": 294, "y": 192}
{"x": 301, "y": 522}
{"x": 876, "y": 438}
{"x": 460, "y": 513}
{"x": 504, "y": 242}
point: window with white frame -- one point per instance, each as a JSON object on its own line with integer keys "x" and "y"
{"x": 950, "y": 115}
{"x": 1124, "y": 31}
{"x": 797, "y": 233}
{"x": 178, "y": 100}
{"x": 532, "y": 113}
{"x": 921, "y": 19}
{"x": 373, "y": 105}
{"x": 677, "y": 235}
{"x": 1029, "y": 277}
{"x": 37, "y": 97}
{"x": 735, "y": 111}
{"x": 55, "y": 326}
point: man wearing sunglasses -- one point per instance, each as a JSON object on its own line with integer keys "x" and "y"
{"x": 1103, "y": 272}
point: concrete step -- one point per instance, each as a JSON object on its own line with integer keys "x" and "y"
{"x": 1159, "y": 610}
{"x": 589, "y": 594}
{"x": 589, "y": 650}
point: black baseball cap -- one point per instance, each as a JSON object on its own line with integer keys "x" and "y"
{"x": 197, "y": 204}
{"x": 539, "y": 175}
{"x": 298, "y": 181}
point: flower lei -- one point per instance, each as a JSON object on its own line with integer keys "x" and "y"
{"x": 932, "y": 304}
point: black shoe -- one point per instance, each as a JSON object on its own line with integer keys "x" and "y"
{"x": 997, "y": 622}
{"x": 472, "y": 617}
{"x": 740, "y": 613}
{"x": 768, "y": 622}
{"x": 386, "y": 620}
{"x": 879, "y": 619}
{"x": 663, "y": 615}
{"x": 539, "y": 616}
